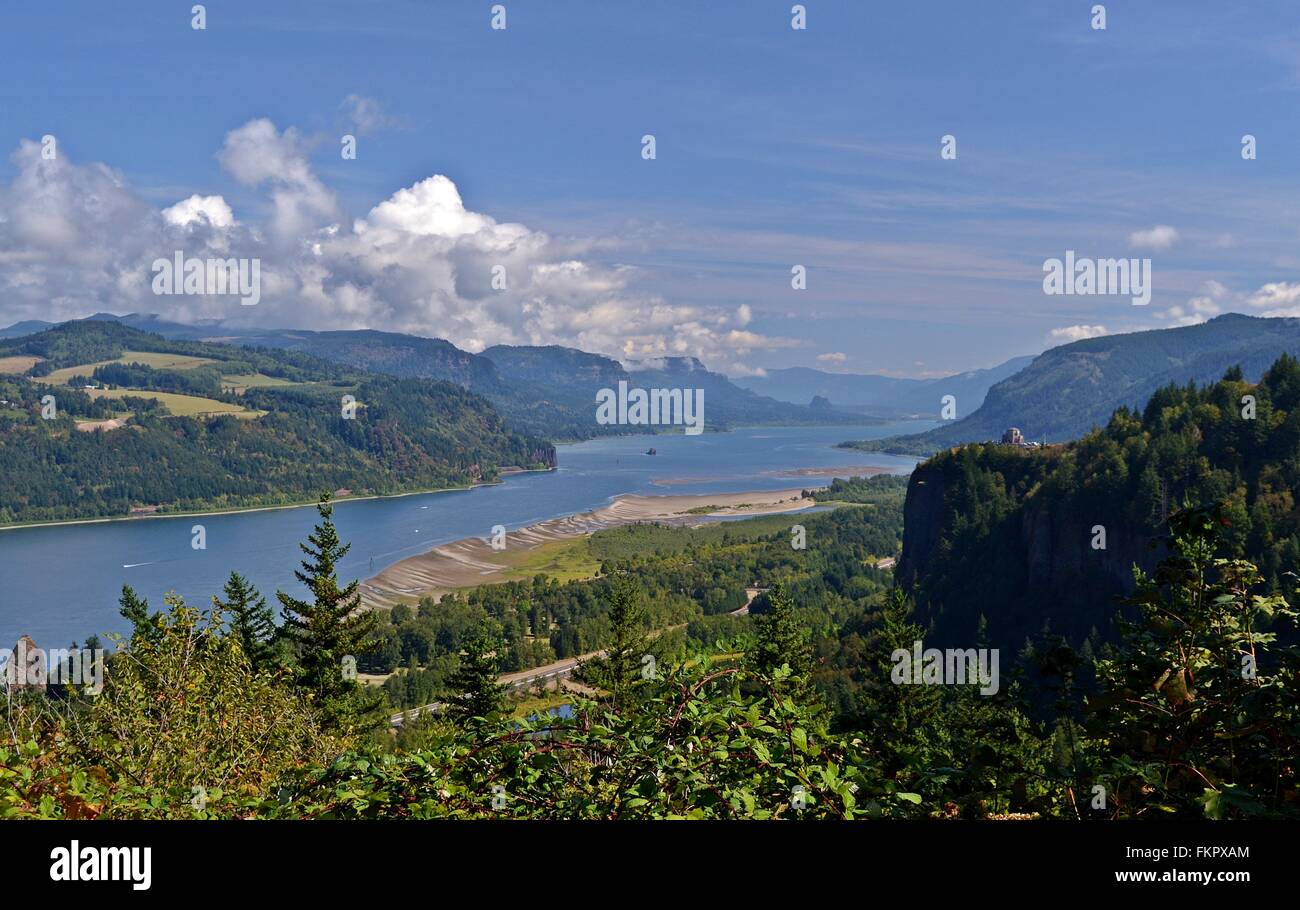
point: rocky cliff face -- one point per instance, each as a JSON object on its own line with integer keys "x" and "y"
{"x": 924, "y": 517}
{"x": 1059, "y": 550}
{"x": 1012, "y": 555}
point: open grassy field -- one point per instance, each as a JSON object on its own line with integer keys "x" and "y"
{"x": 181, "y": 405}
{"x": 148, "y": 358}
{"x": 629, "y": 540}
{"x": 89, "y": 426}
{"x": 240, "y": 382}
{"x": 12, "y": 366}
{"x": 564, "y": 560}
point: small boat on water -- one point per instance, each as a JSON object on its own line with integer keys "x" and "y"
{"x": 652, "y": 452}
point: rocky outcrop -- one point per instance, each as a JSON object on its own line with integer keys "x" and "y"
{"x": 1059, "y": 550}
{"x": 924, "y": 518}
{"x": 1024, "y": 563}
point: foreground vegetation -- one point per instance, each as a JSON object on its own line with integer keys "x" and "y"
{"x": 788, "y": 713}
{"x": 750, "y": 669}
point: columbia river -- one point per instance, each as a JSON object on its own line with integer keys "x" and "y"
{"x": 60, "y": 583}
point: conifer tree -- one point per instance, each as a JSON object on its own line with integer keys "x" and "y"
{"x": 135, "y": 609}
{"x": 619, "y": 670}
{"x": 251, "y": 620}
{"x": 328, "y": 630}
{"x": 782, "y": 640}
{"x": 903, "y": 720}
{"x": 477, "y": 695}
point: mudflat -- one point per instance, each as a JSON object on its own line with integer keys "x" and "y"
{"x": 472, "y": 561}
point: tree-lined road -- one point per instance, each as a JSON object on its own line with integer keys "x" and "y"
{"x": 520, "y": 680}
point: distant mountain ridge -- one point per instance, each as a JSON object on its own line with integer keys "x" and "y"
{"x": 542, "y": 390}
{"x": 407, "y": 356}
{"x": 572, "y": 378}
{"x": 553, "y": 365}
{"x": 1068, "y": 390}
{"x": 881, "y": 395}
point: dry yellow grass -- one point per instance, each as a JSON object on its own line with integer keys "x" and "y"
{"x": 148, "y": 358}
{"x": 181, "y": 405}
{"x": 242, "y": 382}
{"x": 12, "y": 366}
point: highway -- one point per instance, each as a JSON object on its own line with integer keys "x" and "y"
{"x": 520, "y": 680}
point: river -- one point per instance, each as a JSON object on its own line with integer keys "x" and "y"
{"x": 61, "y": 583}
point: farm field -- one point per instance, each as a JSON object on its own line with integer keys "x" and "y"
{"x": 148, "y": 358}
{"x": 12, "y": 366}
{"x": 181, "y": 405}
{"x": 564, "y": 560}
{"x": 241, "y": 382}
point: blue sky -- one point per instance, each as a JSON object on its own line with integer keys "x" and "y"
{"x": 775, "y": 147}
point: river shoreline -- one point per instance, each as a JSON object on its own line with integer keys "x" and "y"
{"x": 64, "y": 582}
{"x": 472, "y": 561}
{"x": 240, "y": 510}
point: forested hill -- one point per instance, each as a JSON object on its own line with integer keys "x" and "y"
{"x": 1069, "y": 390}
{"x": 546, "y": 391}
{"x": 405, "y": 356}
{"x": 529, "y": 406}
{"x": 143, "y": 423}
{"x": 1008, "y": 533}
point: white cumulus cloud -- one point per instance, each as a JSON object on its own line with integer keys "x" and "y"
{"x": 1075, "y": 333}
{"x": 258, "y": 154}
{"x": 197, "y": 209}
{"x": 76, "y": 238}
{"x": 1160, "y": 237}
{"x": 1277, "y": 298}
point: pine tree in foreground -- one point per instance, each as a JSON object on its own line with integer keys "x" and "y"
{"x": 619, "y": 670}
{"x": 478, "y": 696}
{"x": 251, "y": 620}
{"x": 327, "y": 632}
{"x": 135, "y": 609}
{"x": 782, "y": 639}
{"x": 783, "y": 643}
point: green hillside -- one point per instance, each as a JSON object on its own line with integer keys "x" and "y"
{"x": 547, "y": 391}
{"x": 1069, "y": 390}
{"x": 146, "y": 437}
{"x": 1009, "y": 534}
